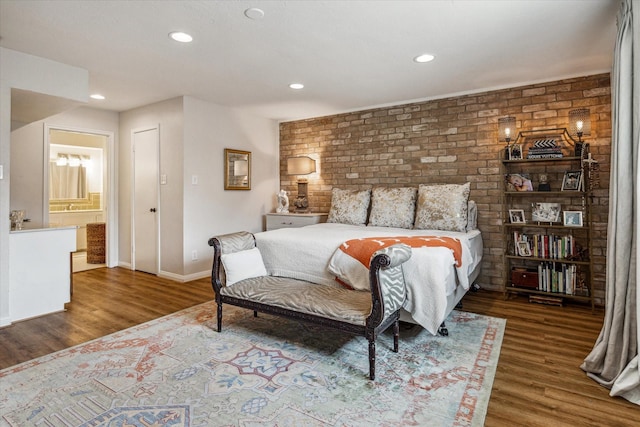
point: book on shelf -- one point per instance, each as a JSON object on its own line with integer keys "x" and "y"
{"x": 544, "y": 149}
{"x": 557, "y": 277}
{"x": 548, "y": 246}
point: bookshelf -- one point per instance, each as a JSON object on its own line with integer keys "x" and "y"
{"x": 547, "y": 225}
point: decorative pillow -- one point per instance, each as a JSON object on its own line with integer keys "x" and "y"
{"x": 393, "y": 207}
{"x": 472, "y": 216}
{"x": 442, "y": 207}
{"x": 349, "y": 206}
{"x": 243, "y": 265}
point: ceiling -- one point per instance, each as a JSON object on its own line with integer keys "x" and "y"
{"x": 350, "y": 55}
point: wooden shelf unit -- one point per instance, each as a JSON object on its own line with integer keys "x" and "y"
{"x": 580, "y": 265}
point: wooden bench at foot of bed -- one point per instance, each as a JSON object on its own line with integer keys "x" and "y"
{"x": 366, "y": 313}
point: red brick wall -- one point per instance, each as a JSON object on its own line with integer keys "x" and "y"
{"x": 451, "y": 140}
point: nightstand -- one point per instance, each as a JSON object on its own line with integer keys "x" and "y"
{"x": 294, "y": 220}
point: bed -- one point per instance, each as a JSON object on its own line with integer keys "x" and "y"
{"x": 436, "y": 278}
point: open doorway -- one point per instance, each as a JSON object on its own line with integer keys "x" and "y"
{"x": 76, "y": 175}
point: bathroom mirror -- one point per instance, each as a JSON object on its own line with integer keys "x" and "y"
{"x": 237, "y": 171}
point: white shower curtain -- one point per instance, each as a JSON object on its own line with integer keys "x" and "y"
{"x": 67, "y": 182}
{"x": 613, "y": 362}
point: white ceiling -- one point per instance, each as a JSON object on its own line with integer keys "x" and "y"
{"x": 350, "y": 55}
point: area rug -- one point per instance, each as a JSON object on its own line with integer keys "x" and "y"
{"x": 265, "y": 371}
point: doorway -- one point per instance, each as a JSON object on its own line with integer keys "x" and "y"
{"x": 77, "y": 189}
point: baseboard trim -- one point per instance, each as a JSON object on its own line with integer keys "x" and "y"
{"x": 183, "y": 278}
{"x": 173, "y": 276}
{"x": 124, "y": 264}
{"x": 5, "y": 321}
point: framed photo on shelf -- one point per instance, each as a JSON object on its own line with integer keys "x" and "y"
{"x": 572, "y": 218}
{"x": 546, "y": 212}
{"x": 515, "y": 152}
{"x": 572, "y": 181}
{"x": 523, "y": 248}
{"x": 518, "y": 182}
{"x": 516, "y": 216}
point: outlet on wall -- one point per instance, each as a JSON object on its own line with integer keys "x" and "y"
{"x": 194, "y": 255}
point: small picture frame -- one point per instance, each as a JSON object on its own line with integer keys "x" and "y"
{"x": 515, "y": 152}
{"x": 516, "y": 216}
{"x": 572, "y": 218}
{"x": 518, "y": 182}
{"x": 546, "y": 212}
{"x": 523, "y": 248}
{"x": 572, "y": 181}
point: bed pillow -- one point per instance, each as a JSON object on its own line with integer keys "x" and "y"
{"x": 243, "y": 265}
{"x": 442, "y": 207}
{"x": 349, "y": 206}
{"x": 472, "y": 216}
{"x": 393, "y": 207}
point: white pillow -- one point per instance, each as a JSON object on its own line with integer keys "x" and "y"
{"x": 243, "y": 265}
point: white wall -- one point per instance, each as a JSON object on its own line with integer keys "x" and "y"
{"x": 209, "y": 210}
{"x": 26, "y": 72}
{"x": 193, "y": 136}
{"x": 27, "y": 156}
{"x": 168, "y": 115}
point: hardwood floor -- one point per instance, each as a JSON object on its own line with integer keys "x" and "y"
{"x": 538, "y": 380}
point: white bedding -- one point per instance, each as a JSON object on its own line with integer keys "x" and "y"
{"x": 304, "y": 253}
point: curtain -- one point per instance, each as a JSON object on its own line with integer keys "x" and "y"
{"x": 613, "y": 362}
{"x": 67, "y": 182}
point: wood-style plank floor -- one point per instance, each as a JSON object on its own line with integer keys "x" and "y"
{"x": 538, "y": 380}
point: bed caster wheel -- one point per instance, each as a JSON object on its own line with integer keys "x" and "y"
{"x": 443, "y": 331}
{"x": 475, "y": 287}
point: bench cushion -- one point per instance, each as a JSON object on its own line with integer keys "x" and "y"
{"x": 331, "y": 302}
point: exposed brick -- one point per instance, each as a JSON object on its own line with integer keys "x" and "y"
{"x": 453, "y": 140}
{"x": 534, "y": 91}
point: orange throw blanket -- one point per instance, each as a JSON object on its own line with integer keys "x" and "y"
{"x": 350, "y": 262}
{"x": 363, "y": 249}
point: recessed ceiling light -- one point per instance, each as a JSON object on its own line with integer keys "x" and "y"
{"x": 181, "y": 37}
{"x": 296, "y": 85}
{"x": 96, "y": 96}
{"x": 254, "y": 13}
{"x": 424, "y": 58}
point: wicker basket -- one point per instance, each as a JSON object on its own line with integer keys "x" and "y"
{"x": 96, "y": 247}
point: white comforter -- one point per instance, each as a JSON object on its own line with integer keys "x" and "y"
{"x": 430, "y": 274}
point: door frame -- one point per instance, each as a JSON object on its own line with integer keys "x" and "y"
{"x": 133, "y": 198}
{"x": 110, "y": 190}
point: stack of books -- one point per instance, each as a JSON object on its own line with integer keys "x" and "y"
{"x": 544, "y": 149}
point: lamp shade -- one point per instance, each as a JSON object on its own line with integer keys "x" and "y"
{"x": 300, "y": 165}
{"x": 506, "y": 128}
{"x": 580, "y": 122}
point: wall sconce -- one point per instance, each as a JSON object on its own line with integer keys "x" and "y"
{"x": 506, "y": 131}
{"x": 303, "y": 165}
{"x": 580, "y": 124}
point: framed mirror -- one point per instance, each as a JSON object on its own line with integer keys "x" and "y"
{"x": 237, "y": 169}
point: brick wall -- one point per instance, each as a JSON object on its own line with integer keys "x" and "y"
{"x": 451, "y": 140}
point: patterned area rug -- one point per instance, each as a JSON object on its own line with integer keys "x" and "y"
{"x": 269, "y": 371}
